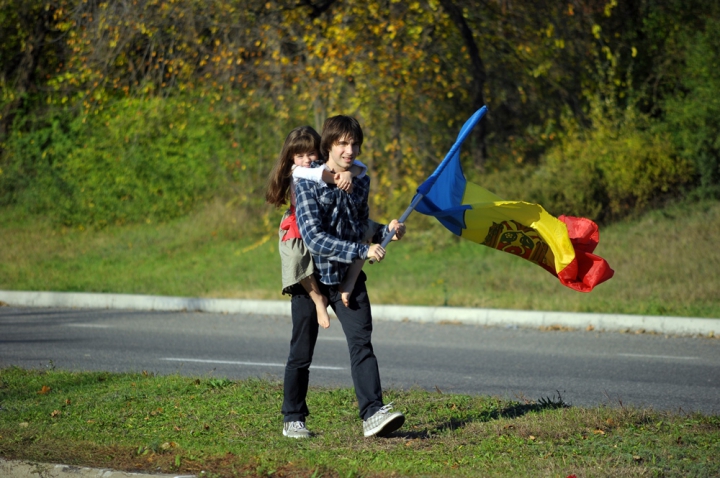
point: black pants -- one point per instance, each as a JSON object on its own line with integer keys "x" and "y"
{"x": 356, "y": 322}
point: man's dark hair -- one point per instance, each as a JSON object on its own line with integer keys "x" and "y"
{"x": 337, "y": 128}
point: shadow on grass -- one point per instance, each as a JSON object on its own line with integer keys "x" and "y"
{"x": 512, "y": 411}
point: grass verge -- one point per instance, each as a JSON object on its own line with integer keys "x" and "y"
{"x": 220, "y": 427}
{"x": 665, "y": 262}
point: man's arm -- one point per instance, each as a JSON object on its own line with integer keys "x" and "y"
{"x": 381, "y": 230}
{"x": 319, "y": 242}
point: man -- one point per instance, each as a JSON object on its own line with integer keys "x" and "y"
{"x": 331, "y": 223}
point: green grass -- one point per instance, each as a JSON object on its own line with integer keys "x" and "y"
{"x": 177, "y": 424}
{"x": 666, "y": 263}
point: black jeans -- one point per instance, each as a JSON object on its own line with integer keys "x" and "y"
{"x": 356, "y": 322}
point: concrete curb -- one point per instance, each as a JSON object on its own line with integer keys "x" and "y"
{"x": 458, "y": 315}
{"x": 31, "y": 469}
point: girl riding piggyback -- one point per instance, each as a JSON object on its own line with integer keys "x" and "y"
{"x": 301, "y": 149}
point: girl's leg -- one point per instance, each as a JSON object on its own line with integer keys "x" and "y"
{"x": 348, "y": 284}
{"x": 320, "y": 301}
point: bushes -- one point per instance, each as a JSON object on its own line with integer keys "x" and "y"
{"x": 135, "y": 160}
{"x": 693, "y": 114}
{"x": 155, "y": 159}
{"x": 609, "y": 170}
{"x": 617, "y": 166}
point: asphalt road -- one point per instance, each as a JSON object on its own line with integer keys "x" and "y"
{"x": 586, "y": 368}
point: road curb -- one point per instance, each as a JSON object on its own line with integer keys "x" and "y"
{"x": 31, "y": 469}
{"x": 451, "y": 315}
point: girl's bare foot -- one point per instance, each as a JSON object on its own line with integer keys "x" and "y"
{"x": 323, "y": 319}
{"x": 322, "y": 314}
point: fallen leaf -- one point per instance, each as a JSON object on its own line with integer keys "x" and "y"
{"x": 598, "y": 432}
{"x": 531, "y": 437}
{"x": 44, "y": 390}
{"x": 55, "y": 413}
{"x": 67, "y": 401}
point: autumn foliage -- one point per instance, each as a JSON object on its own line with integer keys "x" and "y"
{"x": 132, "y": 110}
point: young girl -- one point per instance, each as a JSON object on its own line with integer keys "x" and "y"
{"x": 301, "y": 148}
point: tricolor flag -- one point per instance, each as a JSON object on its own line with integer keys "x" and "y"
{"x": 562, "y": 246}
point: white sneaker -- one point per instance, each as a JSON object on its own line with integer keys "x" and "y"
{"x": 295, "y": 430}
{"x": 383, "y": 422}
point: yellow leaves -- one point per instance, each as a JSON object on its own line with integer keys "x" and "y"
{"x": 596, "y": 29}
{"x": 609, "y": 55}
{"x": 609, "y": 6}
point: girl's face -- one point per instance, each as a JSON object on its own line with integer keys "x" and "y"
{"x": 303, "y": 160}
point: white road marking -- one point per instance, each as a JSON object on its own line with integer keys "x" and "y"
{"x": 252, "y": 364}
{"x": 678, "y": 357}
{"x": 89, "y": 326}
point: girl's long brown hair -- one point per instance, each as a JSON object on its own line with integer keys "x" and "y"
{"x": 302, "y": 139}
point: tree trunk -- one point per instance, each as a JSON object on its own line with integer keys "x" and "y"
{"x": 477, "y": 71}
{"x": 27, "y": 67}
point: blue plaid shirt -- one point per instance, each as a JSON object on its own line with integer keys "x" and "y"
{"x": 331, "y": 224}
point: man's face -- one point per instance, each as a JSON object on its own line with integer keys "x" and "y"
{"x": 342, "y": 154}
{"x": 304, "y": 159}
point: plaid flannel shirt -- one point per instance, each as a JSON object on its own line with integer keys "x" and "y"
{"x": 331, "y": 224}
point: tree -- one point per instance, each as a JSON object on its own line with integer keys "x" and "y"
{"x": 477, "y": 72}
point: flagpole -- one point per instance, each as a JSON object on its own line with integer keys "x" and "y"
{"x": 416, "y": 200}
